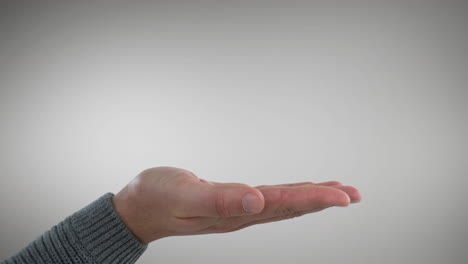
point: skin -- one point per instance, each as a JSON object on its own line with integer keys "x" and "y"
{"x": 167, "y": 201}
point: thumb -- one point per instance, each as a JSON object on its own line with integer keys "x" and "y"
{"x": 224, "y": 200}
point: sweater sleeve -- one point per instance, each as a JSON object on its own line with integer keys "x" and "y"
{"x": 94, "y": 234}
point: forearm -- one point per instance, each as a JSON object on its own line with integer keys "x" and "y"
{"x": 94, "y": 234}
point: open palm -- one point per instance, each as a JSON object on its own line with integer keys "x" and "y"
{"x": 169, "y": 201}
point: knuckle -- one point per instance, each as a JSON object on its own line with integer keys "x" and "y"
{"x": 184, "y": 173}
{"x": 163, "y": 176}
{"x": 146, "y": 172}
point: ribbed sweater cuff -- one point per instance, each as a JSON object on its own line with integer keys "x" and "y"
{"x": 103, "y": 235}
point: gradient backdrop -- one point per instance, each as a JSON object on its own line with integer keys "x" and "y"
{"x": 373, "y": 94}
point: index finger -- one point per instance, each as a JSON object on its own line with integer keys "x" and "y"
{"x": 279, "y": 200}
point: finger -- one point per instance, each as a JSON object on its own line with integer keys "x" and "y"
{"x": 304, "y": 198}
{"x": 287, "y": 184}
{"x": 330, "y": 183}
{"x": 234, "y": 224}
{"x": 352, "y": 192}
{"x": 274, "y": 219}
{"x": 278, "y": 206}
{"x": 204, "y": 225}
{"x": 286, "y": 200}
{"x": 280, "y": 203}
{"x": 220, "y": 200}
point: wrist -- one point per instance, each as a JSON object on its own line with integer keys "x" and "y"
{"x": 126, "y": 208}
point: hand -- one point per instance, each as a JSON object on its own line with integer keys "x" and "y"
{"x": 168, "y": 201}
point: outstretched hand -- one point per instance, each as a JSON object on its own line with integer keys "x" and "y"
{"x": 169, "y": 201}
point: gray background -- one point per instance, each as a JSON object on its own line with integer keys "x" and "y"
{"x": 372, "y": 94}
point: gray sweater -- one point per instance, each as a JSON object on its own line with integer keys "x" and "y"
{"x": 94, "y": 234}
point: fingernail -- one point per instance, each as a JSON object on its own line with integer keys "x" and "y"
{"x": 252, "y": 203}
